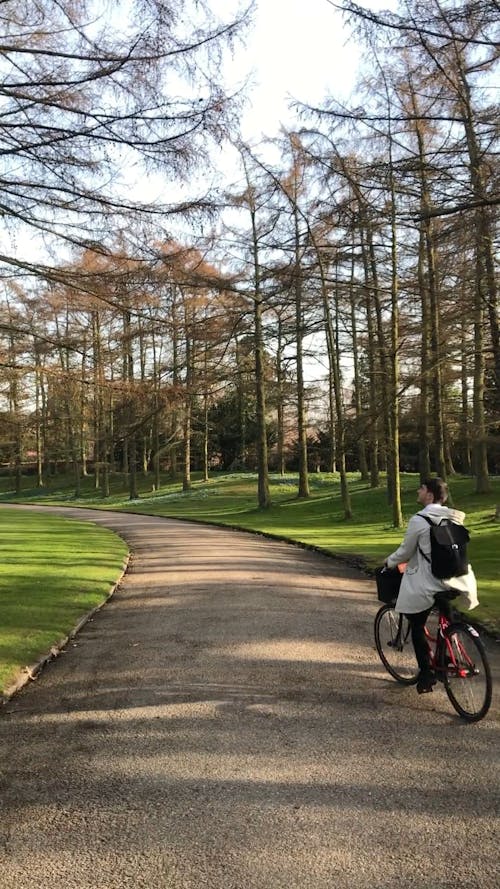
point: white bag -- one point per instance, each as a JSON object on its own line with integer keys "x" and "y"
{"x": 466, "y": 585}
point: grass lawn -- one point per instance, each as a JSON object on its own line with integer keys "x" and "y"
{"x": 230, "y": 499}
{"x": 53, "y": 571}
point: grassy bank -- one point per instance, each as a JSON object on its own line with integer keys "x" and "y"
{"x": 53, "y": 571}
{"x": 230, "y": 499}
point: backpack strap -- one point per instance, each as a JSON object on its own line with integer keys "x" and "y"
{"x": 431, "y": 523}
{"x": 427, "y": 519}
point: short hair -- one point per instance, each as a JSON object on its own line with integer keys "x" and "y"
{"x": 438, "y": 488}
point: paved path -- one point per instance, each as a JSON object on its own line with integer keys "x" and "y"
{"x": 224, "y": 722}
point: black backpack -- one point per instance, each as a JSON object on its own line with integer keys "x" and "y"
{"x": 448, "y": 548}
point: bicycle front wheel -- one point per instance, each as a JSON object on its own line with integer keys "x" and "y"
{"x": 394, "y": 645}
{"x": 467, "y": 677}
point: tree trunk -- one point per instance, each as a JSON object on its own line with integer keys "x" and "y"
{"x": 333, "y": 350}
{"x": 303, "y": 491}
{"x": 464, "y": 385}
{"x": 263, "y": 496}
{"x": 479, "y": 448}
{"x": 280, "y": 399}
{"x": 372, "y": 367}
{"x": 130, "y": 440}
{"x": 393, "y": 378}
{"x": 39, "y": 418}
{"x": 363, "y": 465}
{"x": 424, "y": 460}
{"x": 188, "y": 407}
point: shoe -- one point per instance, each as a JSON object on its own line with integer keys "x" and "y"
{"x": 425, "y": 683}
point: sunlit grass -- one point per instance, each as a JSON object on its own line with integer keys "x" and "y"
{"x": 53, "y": 571}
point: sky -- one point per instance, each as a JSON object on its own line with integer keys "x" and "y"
{"x": 299, "y": 49}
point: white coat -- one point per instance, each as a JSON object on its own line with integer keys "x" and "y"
{"x": 418, "y": 585}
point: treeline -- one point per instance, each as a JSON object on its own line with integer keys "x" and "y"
{"x": 368, "y": 245}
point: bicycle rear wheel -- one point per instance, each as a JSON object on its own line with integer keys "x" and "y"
{"x": 394, "y": 645}
{"x": 467, "y": 678}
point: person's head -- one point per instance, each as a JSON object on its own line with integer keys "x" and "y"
{"x": 432, "y": 490}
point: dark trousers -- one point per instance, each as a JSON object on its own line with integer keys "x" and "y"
{"x": 417, "y": 623}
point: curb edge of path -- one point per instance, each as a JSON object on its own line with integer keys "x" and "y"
{"x": 31, "y": 672}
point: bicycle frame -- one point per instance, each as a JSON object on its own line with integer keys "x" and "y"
{"x": 448, "y": 663}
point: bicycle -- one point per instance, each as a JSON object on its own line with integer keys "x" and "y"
{"x": 458, "y": 656}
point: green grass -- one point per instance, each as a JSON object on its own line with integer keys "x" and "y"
{"x": 230, "y": 499}
{"x": 53, "y": 571}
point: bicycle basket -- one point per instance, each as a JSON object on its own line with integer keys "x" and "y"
{"x": 388, "y": 581}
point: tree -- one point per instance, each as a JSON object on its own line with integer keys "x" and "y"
{"x": 454, "y": 43}
{"x": 88, "y": 110}
{"x": 252, "y": 203}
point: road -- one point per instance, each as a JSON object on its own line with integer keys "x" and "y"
{"x": 224, "y": 722}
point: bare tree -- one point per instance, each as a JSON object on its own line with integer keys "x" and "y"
{"x": 95, "y": 97}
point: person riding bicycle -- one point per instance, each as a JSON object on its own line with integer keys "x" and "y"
{"x": 418, "y": 585}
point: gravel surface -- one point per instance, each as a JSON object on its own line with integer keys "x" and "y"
{"x": 225, "y": 722}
